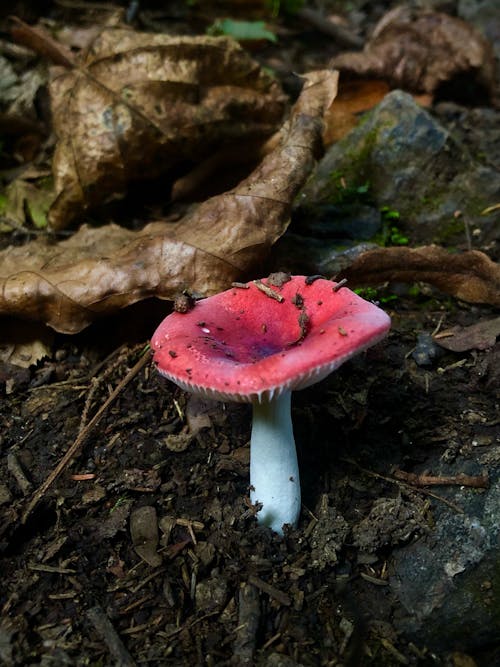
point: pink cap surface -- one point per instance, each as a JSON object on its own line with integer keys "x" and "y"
{"x": 244, "y": 345}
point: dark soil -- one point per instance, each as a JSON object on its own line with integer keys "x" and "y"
{"x": 72, "y": 581}
{"x": 198, "y": 582}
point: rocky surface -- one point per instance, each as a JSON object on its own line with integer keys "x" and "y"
{"x": 412, "y": 163}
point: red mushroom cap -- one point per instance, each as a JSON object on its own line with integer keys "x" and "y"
{"x": 246, "y": 345}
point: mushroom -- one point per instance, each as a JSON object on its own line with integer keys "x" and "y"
{"x": 256, "y": 343}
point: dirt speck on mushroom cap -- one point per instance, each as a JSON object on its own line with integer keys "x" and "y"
{"x": 243, "y": 345}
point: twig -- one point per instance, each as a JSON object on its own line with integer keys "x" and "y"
{"x": 187, "y": 626}
{"x": 39, "y": 567}
{"x": 96, "y": 381}
{"x": 18, "y": 227}
{"x": 273, "y": 592}
{"x": 268, "y": 291}
{"x": 15, "y": 469}
{"x": 106, "y": 630}
{"x": 373, "y": 580}
{"x": 399, "y": 482}
{"x": 73, "y": 449}
{"x": 340, "y": 284}
{"x": 248, "y": 625}
{"x": 435, "y": 333}
{"x": 474, "y": 481}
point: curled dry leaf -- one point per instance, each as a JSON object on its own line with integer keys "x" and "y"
{"x": 97, "y": 271}
{"x": 140, "y": 104}
{"x": 419, "y": 50}
{"x": 471, "y": 276}
{"x": 479, "y": 336}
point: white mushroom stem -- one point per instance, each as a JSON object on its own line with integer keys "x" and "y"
{"x": 274, "y": 470}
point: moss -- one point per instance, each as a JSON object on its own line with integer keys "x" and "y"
{"x": 450, "y": 231}
{"x": 358, "y": 169}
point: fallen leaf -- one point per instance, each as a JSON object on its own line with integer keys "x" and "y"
{"x": 144, "y": 534}
{"x": 69, "y": 284}
{"x": 419, "y": 50}
{"x": 356, "y": 96}
{"x": 140, "y": 104}
{"x": 471, "y": 276}
{"x": 353, "y": 98}
{"x": 478, "y": 336}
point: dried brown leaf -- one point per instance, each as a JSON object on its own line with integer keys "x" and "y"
{"x": 471, "y": 276}
{"x": 144, "y": 534}
{"x": 479, "y": 336}
{"x": 354, "y": 97}
{"x": 99, "y": 270}
{"x": 140, "y": 104}
{"x": 418, "y": 50}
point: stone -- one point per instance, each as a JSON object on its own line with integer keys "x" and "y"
{"x": 415, "y": 166}
{"x": 448, "y": 581}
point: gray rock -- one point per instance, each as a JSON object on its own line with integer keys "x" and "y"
{"x": 415, "y": 166}
{"x": 306, "y": 255}
{"x": 447, "y": 582}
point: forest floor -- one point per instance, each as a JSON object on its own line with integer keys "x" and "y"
{"x": 198, "y": 582}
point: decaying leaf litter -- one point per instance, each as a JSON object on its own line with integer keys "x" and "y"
{"x": 155, "y": 549}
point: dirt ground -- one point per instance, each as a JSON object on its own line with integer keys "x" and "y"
{"x": 216, "y": 586}
{"x": 145, "y": 549}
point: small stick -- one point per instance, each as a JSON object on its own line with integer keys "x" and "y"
{"x": 474, "y": 481}
{"x": 240, "y": 285}
{"x": 273, "y": 592}
{"x": 40, "y": 567}
{"x": 248, "y": 624}
{"x": 340, "y": 284}
{"x": 399, "y": 482}
{"x": 74, "y": 448}
{"x": 268, "y": 291}
{"x": 106, "y": 630}
{"x": 374, "y": 580}
{"x": 15, "y": 469}
{"x": 83, "y": 477}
